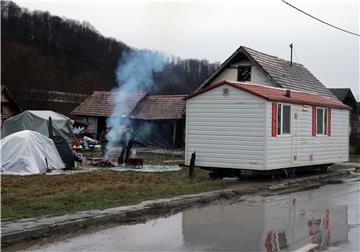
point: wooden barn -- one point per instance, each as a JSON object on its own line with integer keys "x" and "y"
{"x": 158, "y": 119}
{"x": 239, "y": 125}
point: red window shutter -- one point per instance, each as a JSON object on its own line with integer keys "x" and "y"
{"x": 314, "y": 121}
{"x": 274, "y": 120}
{"x": 329, "y": 122}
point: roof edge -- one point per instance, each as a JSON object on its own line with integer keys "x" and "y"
{"x": 241, "y": 49}
{"x": 234, "y": 84}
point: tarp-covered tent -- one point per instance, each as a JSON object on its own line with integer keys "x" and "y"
{"x": 37, "y": 120}
{"x": 28, "y": 152}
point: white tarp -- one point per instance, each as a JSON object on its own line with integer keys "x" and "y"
{"x": 149, "y": 168}
{"x": 26, "y": 152}
{"x": 37, "y": 120}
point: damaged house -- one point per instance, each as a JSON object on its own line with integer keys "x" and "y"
{"x": 260, "y": 112}
{"x": 158, "y": 120}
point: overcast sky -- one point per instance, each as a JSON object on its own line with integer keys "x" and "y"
{"x": 213, "y": 30}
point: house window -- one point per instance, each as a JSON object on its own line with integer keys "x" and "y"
{"x": 283, "y": 119}
{"x": 321, "y": 121}
{"x": 244, "y": 73}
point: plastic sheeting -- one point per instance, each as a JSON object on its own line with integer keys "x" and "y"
{"x": 37, "y": 120}
{"x": 28, "y": 152}
{"x": 149, "y": 168}
{"x": 153, "y": 134}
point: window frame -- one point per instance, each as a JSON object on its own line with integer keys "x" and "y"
{"x": 280, "y": 114}
{"x": 325, "y": 121}
{"x": 238, "y": 72}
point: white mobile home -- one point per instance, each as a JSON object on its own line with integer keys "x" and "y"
{"x": 247, "y": 126}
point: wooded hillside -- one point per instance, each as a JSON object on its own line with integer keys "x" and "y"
{"x": 42, "y": 51}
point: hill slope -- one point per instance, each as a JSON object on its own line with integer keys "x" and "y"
{"x": 45, "y": 52}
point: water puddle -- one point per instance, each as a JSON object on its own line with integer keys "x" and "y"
{"x": 328, "y": 217}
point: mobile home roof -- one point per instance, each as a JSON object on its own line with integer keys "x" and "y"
{"x": 278, "y": 94}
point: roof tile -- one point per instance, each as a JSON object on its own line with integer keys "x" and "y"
{"x": 278, "y": 94}
{"x": 138, "y": 105}
{"x": 100, "y": 103}
{"x": 295, "y": 77}
{"x": 160, "y": 107}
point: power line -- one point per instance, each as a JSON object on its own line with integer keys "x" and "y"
{"x": 336, "y": 27}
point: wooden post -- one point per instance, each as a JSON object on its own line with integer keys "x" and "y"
{"x": 192, "y": 164}
{"x": 50, "y": 127}
{"x": 174, "y": 133}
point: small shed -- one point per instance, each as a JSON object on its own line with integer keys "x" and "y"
{"x": 96, "y": 108}
{"x": 254, "y": 127}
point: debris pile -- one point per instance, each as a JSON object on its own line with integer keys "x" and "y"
{"x": 104, "y": 163}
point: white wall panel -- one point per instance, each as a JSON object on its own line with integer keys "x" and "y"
{"x": 234, "y": 131}
{"x": 309, "y": 150}
{"x": 226, "y": 131}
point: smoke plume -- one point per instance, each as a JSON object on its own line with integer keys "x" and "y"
{"x": 134, "y": 75}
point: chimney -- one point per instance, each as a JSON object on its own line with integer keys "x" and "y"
{"x": 288, "y": 93}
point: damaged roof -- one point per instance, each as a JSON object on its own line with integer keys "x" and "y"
{"x": 279, "y": 71}
{"x": 100, "y": 103}
{"x": 160, "y": 107}
{"x": 138, "y": 105}
{"x": 279, "y": 94}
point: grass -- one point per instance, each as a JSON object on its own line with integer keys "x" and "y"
{"x": 39, "y": 195}
{"x": 354, "y": 158}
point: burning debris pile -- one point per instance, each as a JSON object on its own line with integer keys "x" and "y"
{"x": 137, "y": 163}
{"x": 134, "y": 76}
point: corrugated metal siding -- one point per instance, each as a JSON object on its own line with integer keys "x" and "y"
{"x": 324, "y": 149}
{"x": 226, "y": 131}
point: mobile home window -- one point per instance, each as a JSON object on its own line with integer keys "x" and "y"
{"x": 283, "y": 120}
{"x": 321, "y": 121}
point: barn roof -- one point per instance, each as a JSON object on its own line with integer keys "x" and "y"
{"x": 278, "y": 94}
{"x": 138, "y": 105}
{"x": 160, "y": 107}
{"x": 99, "y": 103}
{"x": 279, "y": 71}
